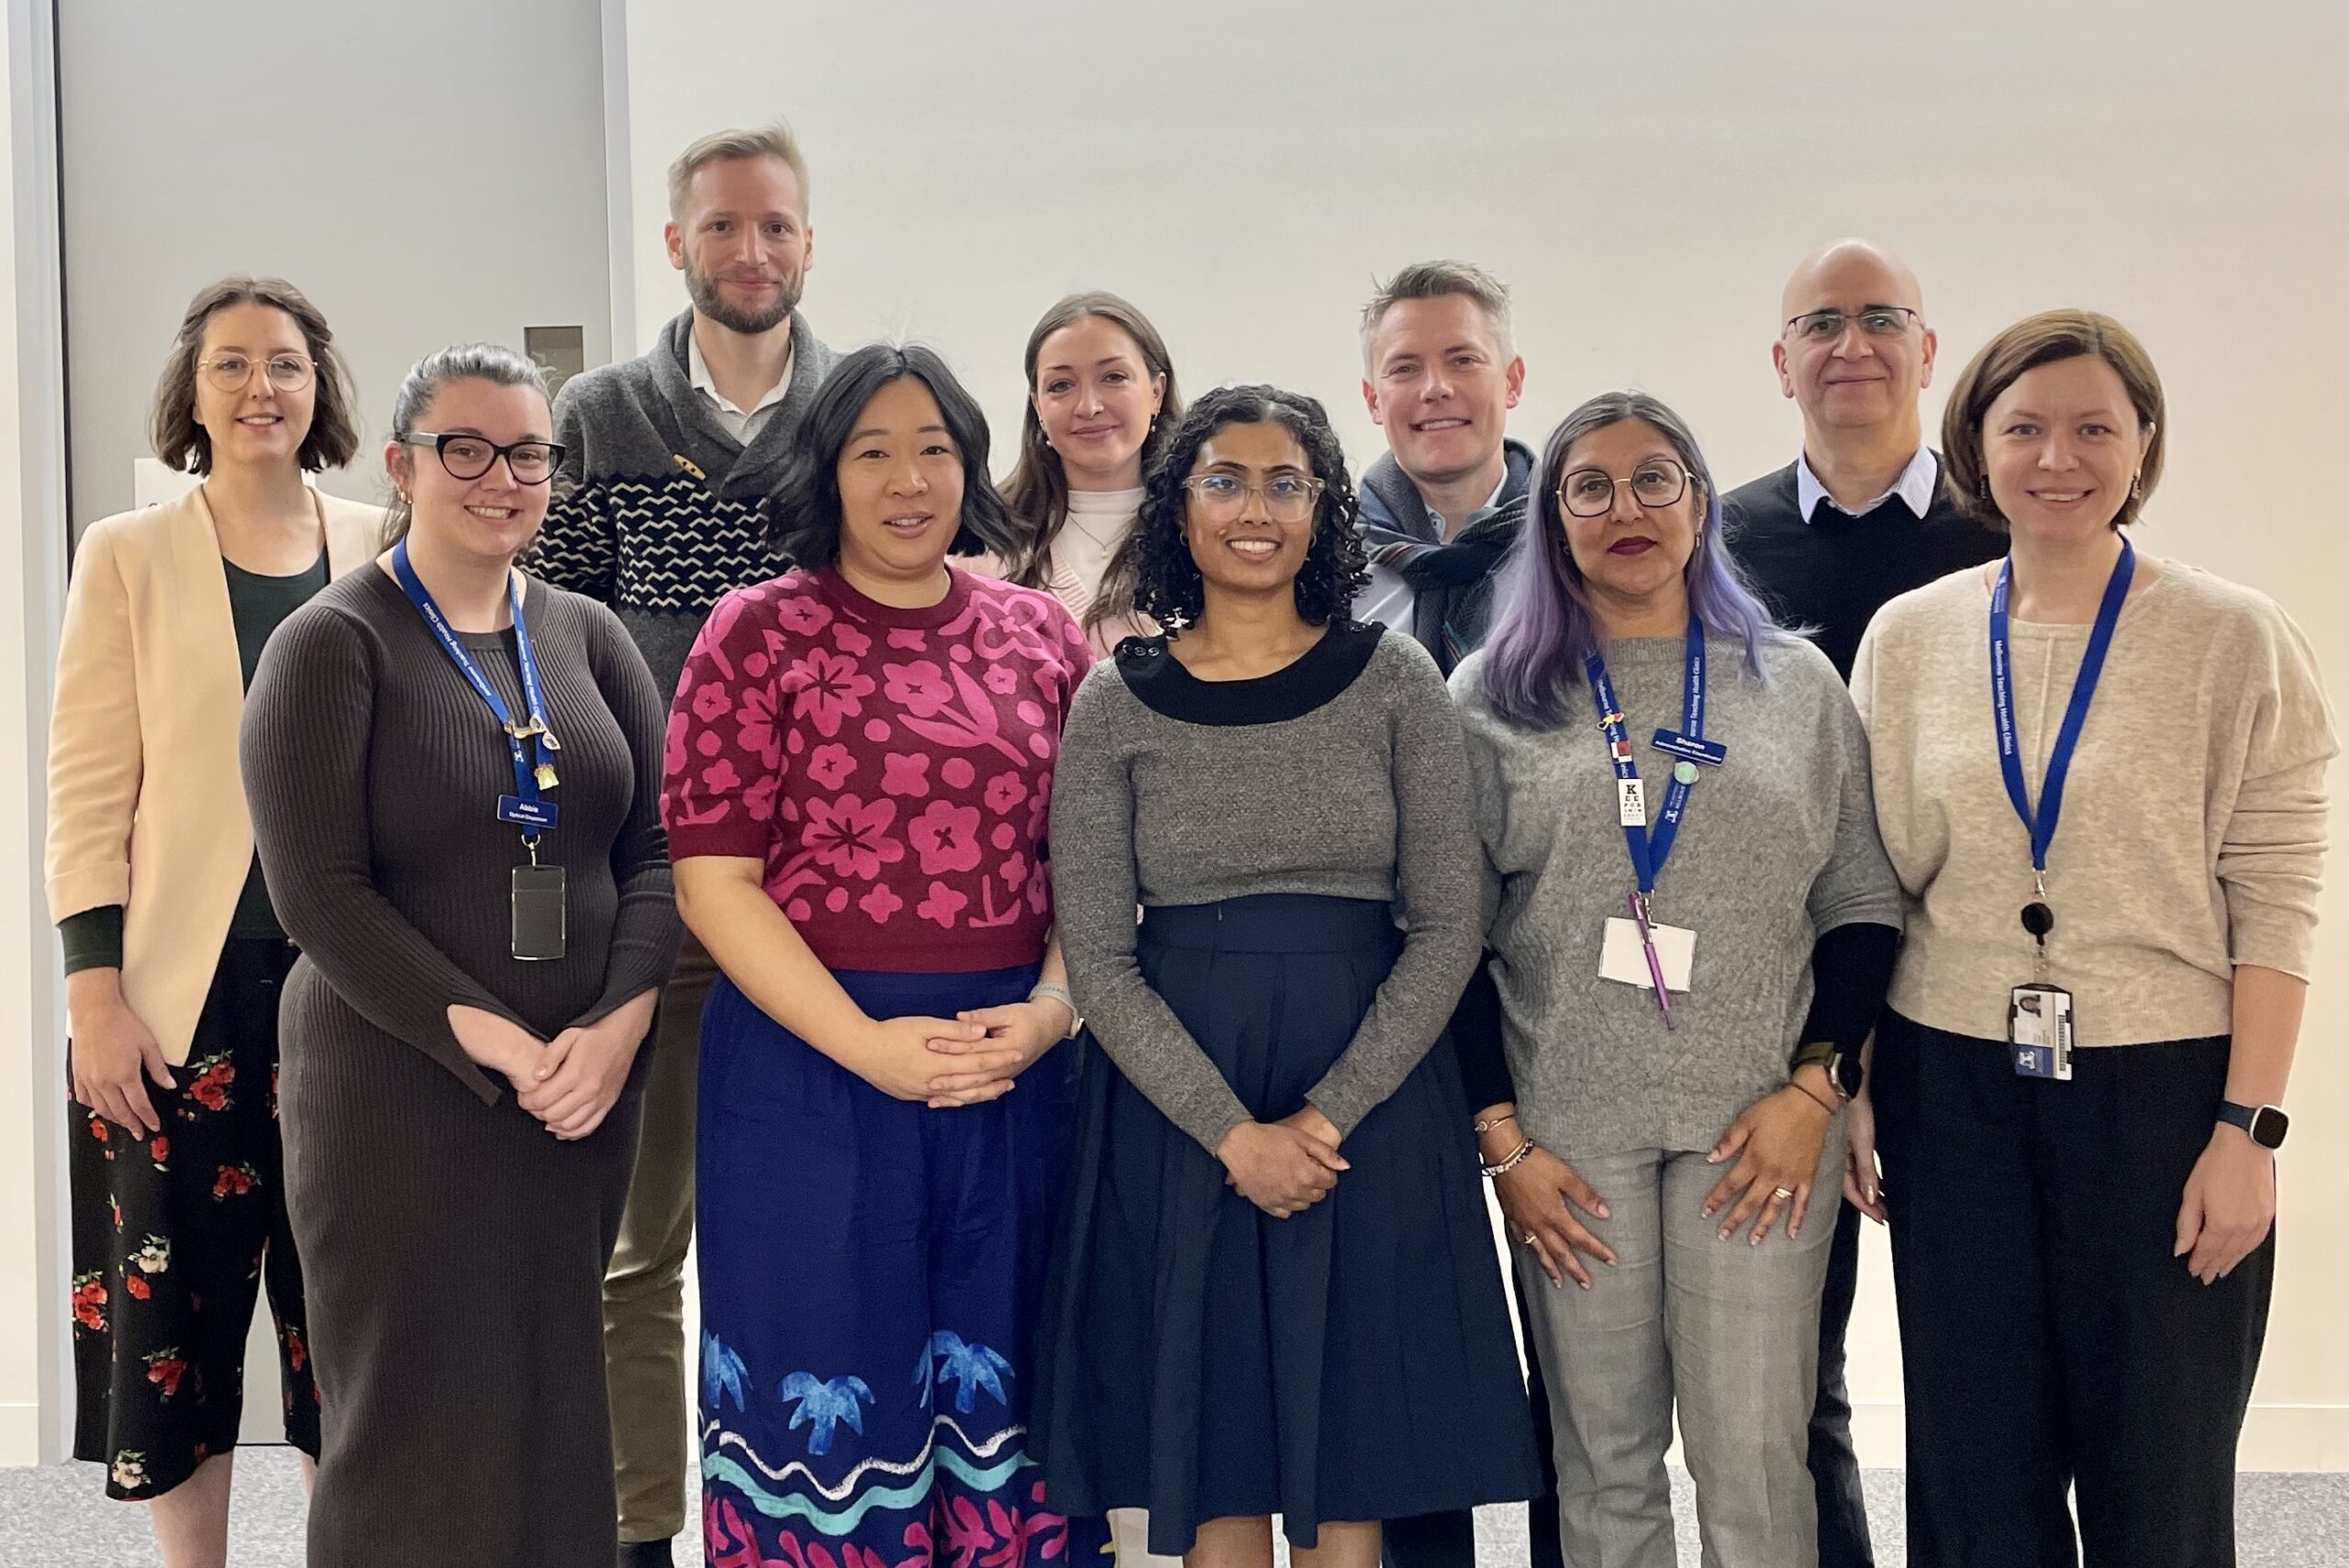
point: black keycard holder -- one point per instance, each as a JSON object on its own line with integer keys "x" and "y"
{"x": 540, "y": 930}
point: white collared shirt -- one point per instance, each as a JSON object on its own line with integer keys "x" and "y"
{"x": 743, "y": 425}
{"x": 1915, "y": 487}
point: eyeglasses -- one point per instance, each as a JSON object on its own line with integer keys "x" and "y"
{"x": 286, "y": 373}
{"x": 1288, "y": 498}
{"x": 470, "y": 457}
{"x": 1590, "y": 492}
{"x": 1876, "y": 321}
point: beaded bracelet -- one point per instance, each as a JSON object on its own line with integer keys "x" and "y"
{"x": 1514, "y": 1159}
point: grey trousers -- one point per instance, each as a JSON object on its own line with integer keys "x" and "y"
{"x": 1726, "y": 1331}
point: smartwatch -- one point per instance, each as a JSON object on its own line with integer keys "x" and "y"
{"x": 1843, "y": 1071}
{"x": 2265, "y": 1124}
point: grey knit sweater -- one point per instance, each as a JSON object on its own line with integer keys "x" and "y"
{"x": 1778, "y": 845}
{"x": 661, "y": 516}
{"x": 1339, "y": 775}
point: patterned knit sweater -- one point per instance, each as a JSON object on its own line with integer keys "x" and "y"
{"x": 893, "y": 767}
{"x": 660, "y": 516}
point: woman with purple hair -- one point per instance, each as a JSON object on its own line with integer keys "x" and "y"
{"x": 1690, "y": 923}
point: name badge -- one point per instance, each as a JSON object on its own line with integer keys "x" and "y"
{"x": 1674, "y": 744}
{"x": 1621, "y": 957}
{"x": 1631, "y": 803}
{"x": 2039, "y": 1029}
{"x": 523, "y": 812}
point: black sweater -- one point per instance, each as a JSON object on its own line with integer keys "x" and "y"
{"x": 1836, "y": 571}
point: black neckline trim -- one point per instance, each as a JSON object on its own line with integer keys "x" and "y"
{"x": 1317, "y": 677}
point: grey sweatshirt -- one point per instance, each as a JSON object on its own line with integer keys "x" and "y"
{"x": 1778, "y": 845}
{"x": 1354, "y": 793}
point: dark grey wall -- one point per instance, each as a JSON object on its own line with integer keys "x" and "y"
{"x": 427, "y": 170}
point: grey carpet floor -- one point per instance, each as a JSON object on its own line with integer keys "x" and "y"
{"x": 58, "y": 1517}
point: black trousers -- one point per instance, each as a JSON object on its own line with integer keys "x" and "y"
{"x": 1835, "y": 1467}
{"x": 2050, "y": 1338}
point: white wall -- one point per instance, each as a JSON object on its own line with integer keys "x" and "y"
{"x": 1644, "y": 176}
{"x": 32, "y": 555}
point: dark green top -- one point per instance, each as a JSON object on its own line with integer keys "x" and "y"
{"x": 256, "y": 605}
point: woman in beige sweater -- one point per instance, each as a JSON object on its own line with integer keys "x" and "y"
{"x": 173, "y": 952}
{"x": 2101, "y": 778}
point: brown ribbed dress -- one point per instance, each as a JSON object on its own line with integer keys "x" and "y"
{"x": 454, "y": 1247}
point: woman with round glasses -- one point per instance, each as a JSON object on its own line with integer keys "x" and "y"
{"x": 2102, "y": 780}
{"x": 455, "y": 772}
{"x": 1692, "y": 924}
{"x": 173, "y": 952}
{"x": 1274, "y": 1290}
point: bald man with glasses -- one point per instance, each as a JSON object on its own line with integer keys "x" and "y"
{"x": 1860, "y": 516}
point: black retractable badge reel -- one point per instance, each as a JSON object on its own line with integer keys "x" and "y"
{"x": 2039, "y": 1016}
{"x": 540, "y": 930}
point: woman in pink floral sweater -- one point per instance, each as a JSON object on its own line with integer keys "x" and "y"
{"x": 860, "y": 767}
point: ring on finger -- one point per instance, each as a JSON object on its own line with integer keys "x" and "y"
{"x": 1782, "y": 1194}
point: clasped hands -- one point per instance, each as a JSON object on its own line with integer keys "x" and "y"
{"x": 967, "y": 1060}
{"x": 571, "y": 1082}
{"x": 1283, "y": 1167}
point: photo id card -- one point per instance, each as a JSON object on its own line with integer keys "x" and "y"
{"x": 1620, "y": 958}
{"x": 540, "y": 927}
{"x": 2039, "y": 1024}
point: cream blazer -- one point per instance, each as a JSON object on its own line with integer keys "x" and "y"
{"x": 146, "y": 805}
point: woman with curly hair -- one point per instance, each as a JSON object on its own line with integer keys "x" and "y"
{"x": 1274, "y": 1289}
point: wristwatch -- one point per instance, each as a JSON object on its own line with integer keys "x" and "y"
{"x": 1060, "y": 993}
{"x": 2265, "y": 1124}
{"x": 1841, "y": 1070}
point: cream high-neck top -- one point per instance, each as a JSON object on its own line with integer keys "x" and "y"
{"x": 2193, "y": 824}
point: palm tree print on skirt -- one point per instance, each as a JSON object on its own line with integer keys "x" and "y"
{"x": 963, "y": 1495}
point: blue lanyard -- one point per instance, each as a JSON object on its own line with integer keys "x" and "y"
{"x": 2040, "y": 825}
{"x": 533, "y": 767}
{"x": 1650, "y": 848}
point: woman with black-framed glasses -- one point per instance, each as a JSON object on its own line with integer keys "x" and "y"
{"x": 1274, "y": 1290}
{"x": 455, "y": 775}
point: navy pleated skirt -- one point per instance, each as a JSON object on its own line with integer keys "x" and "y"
{"x": 1202, "y": 1359}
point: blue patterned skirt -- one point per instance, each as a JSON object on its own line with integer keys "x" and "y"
{"x": 871, "y": 1272}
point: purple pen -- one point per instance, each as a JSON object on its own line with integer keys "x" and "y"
{"x": 1656, "y": 964}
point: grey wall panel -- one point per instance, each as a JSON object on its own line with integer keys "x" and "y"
{"x": 426, "y": 171}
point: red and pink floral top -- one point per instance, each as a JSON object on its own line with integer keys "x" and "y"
{"x": 891, "y": 767}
